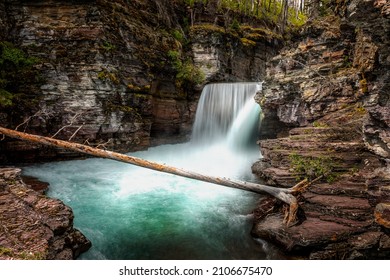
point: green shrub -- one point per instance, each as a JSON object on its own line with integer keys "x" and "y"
{"x": 11, "y": 56}
{"x": 312, "y": 167}
{"x": 190, "y": 73}
{"x": 178, "y": 35}
{"x": 5, "y": 98}
{"x": 186, "y": 72}
{"x": 16, "y": 71}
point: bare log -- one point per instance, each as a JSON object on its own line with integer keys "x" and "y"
{"x": 279, "y": 193}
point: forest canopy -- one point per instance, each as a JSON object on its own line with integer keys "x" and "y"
{"x": 281, "y": 12}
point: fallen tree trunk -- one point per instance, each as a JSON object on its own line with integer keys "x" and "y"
{"x": 279, "y": 193}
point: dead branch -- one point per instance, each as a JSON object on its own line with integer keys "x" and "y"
{"x": 103, "y": 145}
{"x": 68, "y": 125}
{"x": 74, "y": 134}
{"x": 26, "y": 121}
{"x": 37, "y": 114}
{"x": 304, "y": 184}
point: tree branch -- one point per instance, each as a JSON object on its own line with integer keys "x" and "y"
{"x": 68, "y": 125}
{"x": 37, "y": 114}
{"x": 74, "y": 134}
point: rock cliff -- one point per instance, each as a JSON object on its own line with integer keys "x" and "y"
{"x": 34, "y": 226}
{"x": 119, "y": 74}
{"x": 328, "y": 95}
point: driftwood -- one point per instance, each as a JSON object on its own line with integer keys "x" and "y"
{"x": 285, "y": 195}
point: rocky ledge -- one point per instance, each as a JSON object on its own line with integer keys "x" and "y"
{"x": 34, "y": 226}
{"x": 344, "y": 217}
{"x": 326, "y": 112}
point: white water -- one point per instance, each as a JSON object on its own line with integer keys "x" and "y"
{"x": 133, "y": 213}
{"x": 218, "y": 109}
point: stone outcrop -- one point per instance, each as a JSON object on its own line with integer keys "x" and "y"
{"x": 34, "y": 226}
{"x": 227, "y": 56}
{"x": 328, "y": 97}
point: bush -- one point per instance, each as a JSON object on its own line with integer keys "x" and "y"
{"x": 187, "y": 72}
{"x": 312, "y": 167}
{"x": 16, "y": 71}
{"x": 190, "y": 73}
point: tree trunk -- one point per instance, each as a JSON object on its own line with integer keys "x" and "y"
{"x": 284, "y": 15}
{"x": 284, "y": 195}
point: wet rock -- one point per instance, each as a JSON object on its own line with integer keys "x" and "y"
{"x": 33, "y": 225}
{"x": 312, "y": 232}
{"x": 35, "y": 184}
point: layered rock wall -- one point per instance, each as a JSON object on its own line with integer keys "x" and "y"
{"x": 329, "y": 95}
{"x": 108, "y": 77}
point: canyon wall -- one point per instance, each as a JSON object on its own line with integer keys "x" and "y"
{"x": 109, "y": 72}
{"x": 328, "y": 96}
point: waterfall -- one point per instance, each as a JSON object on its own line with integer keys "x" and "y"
{"x": 245, "y": 127}
{"x": 228, "y": 114}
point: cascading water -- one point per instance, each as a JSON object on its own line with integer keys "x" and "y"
{"x": 218, "y": 109}
{"x": 133, "y": 213}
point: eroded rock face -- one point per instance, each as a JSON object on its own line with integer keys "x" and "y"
{"x": 329, "y": 94}
{"x": 108, "y": 78}
{"x": 87, "y": 69}
{"x": 223, "y": 57}
{"x": 33, "y": 225}
{"x": 99, "y": 61}
{"x": 372, "y": 57}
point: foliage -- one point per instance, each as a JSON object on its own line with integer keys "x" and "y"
{"x": 248, "y": 43}
{"x": 186, "y": 71}
{"x": 320, "y": 124}
{"x": 14, "y": 56}
{"x": 178, "y": 35}
{"x": 106, "y": 75}
{"x": 360, "y": 110}
{"x": 279, "y": 12}
{"x": 258, "y": 33}
{"x": 312, "y": 167}
{"x": 16, "y": 70}
{"x": 235, "y": 25}
{"x": 107, "y": 46}
{"x": 175, "y": 58}
{"x": 5, "y": 98}
{"x": 296, "y": 19}
{"x": 207, "y": 28}
{"x": 5, "y": 251}
{"x": 347, "y": 62}
{"x": 190, "y": 73}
